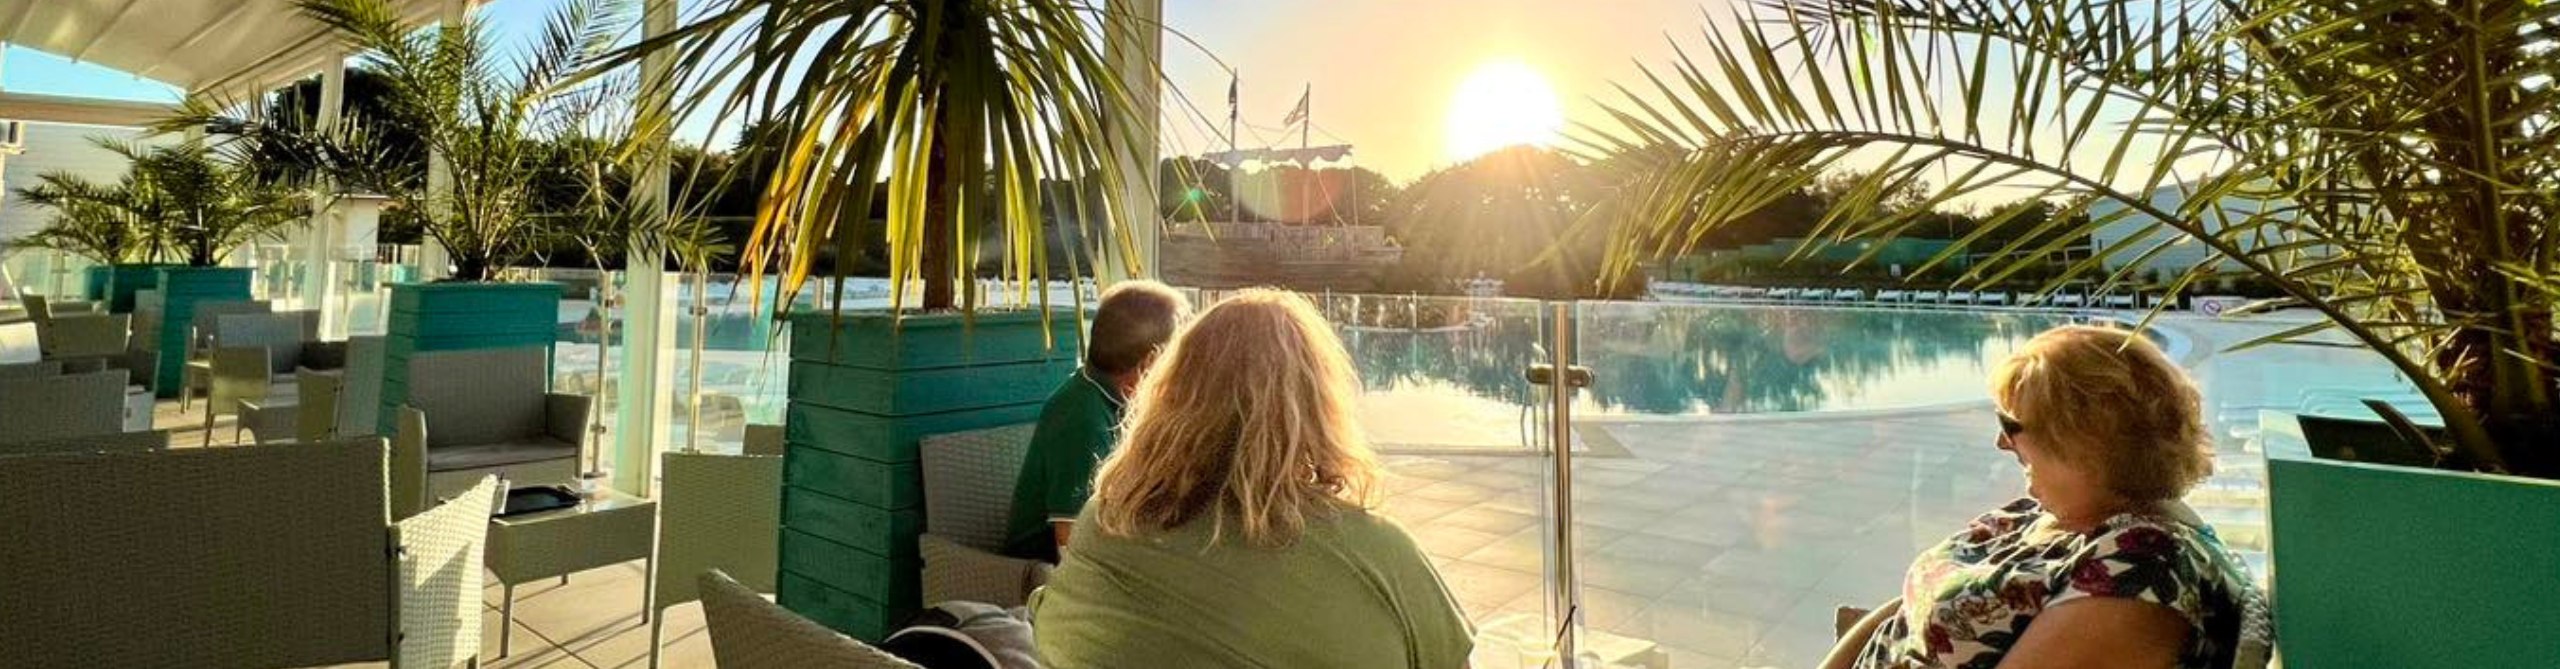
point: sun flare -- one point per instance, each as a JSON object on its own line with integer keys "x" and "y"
{"x": 1503, "y": 103}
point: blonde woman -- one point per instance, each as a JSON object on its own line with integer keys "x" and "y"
{"x": 1231, "y": 527}
{"x": 2100, "y": 565}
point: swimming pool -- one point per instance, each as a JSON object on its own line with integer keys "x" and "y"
{"x": 1462, "y": 385}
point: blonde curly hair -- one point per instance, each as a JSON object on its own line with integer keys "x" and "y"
{"x": 2107, "y": 399}
{"x": 1247, "y": 422}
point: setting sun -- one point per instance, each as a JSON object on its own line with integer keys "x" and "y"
{"x": 1503, "y": 103}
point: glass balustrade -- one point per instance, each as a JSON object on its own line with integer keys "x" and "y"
{"x": 1737, "y": 470}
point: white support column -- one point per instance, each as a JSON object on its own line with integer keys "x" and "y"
{"x": 1134, "y": 46}
{"x": 432, "y": 259}
{"x": 319, "y": 244}
{"x": 640, "y": 425}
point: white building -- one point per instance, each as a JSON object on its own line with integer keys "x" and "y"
{"x": 2183, "y": 252}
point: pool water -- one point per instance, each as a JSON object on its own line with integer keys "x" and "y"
{"x": 1463, "y": 386}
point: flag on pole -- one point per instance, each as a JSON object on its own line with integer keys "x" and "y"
{"x": 1231, "y": 94}
{"x": 1299, "y": 113}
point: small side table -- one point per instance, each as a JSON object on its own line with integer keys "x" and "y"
{"x": 609, "y": 528}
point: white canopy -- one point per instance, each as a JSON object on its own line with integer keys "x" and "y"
{"x": 195, "y": 45}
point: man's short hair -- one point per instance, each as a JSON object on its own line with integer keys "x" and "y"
{"x": 1133, "y": 320}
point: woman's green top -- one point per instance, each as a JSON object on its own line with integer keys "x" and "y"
{"x": 1352, "y": 591}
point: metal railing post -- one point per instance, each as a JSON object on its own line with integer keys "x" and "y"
{"x": 1561, "y": 377}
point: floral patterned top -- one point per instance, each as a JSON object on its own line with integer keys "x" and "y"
{"x": 1968, "y": 599}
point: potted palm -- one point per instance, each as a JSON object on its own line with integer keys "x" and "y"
{"x": 191, "y": 205}
{"x": 486, "y": 116}
{"x": 2381, "y": 164}
{"x": 950, "y": 116}
{"x": 97, "y": 222}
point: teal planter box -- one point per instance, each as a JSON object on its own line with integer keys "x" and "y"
{"x": 2383, "y": 566}
{"x": 910, "y": 392}
{"x": 890, "y": 439}
{"x": 459, "y": 316}
{"x": 871, "y": 529}
{"x": 114, "y": 285}
{"x": 181, "y": 289}
{"x": 865, "y": 390}
{"x": 846, "y": 612}
{"x": 878, "y": 340}
{"x": 873, "y": 577}
{"x": 880, "y": 485}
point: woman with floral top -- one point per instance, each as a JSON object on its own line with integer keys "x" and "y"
{"x": 2101, "y": 565}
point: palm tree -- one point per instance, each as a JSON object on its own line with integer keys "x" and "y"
{"x": 486, "y": 113}
{"x": 178, "y": 200}
{"x": 2389, "y": 164}
{"x": 952, "y": 111}
{"x": 91, "y": 220}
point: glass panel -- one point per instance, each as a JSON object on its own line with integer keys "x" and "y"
{"x": 585, "y": 347}
{"x": 731, "y": 360}
{"x": 1741, "y": 471}
{"x": 53, "y": 274}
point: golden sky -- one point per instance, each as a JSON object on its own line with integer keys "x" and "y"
{"x": 1384, "y": 72}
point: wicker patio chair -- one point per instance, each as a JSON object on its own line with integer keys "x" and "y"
{"x": 198, "y": 374}
{"x": 440, "y": 579}
{"x": 239, "y": 373}
{"x": 111, "y": 442}
{"x": 316, "y": 416}
{"x": 84, "y": 336}
{"x": 360, "y": 388}
{"x": 258, "y": 556}
{"x": 55, "y": 407}
{"x": 719, "y": 512}
{"x": 763, "y": 440}
{"x": 968, "y": 499}
{"x": 486, "y": 411}
{"x": 748, "y": 632}
{"x": 21, "y": 370}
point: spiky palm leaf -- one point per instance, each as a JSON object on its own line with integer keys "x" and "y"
{"x": 180, "y": 201}
{"x": 91, "y": 220}
{"x": 486, "y": 113}
{"x": 2388, "y": 164}
{"x": 955, "y": 112}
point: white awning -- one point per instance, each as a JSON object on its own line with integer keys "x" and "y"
{"x": 233, "y": 46}
{"x": 42, "y": 108}
{"x": 1306, "y": 156}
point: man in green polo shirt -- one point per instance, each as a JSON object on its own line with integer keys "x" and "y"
{"x": 1082, "y": 418}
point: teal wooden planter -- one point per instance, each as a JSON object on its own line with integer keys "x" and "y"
{"x": 114, "y": 285}
{"x": 181, "y": 289}
{"x": 460, "y": 316}
{"x": 2383, "y": 566}
{"x": 865, "y": 390}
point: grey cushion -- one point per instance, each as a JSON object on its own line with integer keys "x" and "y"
{"x": 480, "y": 397}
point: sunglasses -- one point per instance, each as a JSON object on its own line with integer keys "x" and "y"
{"x": 2009, "y": 425}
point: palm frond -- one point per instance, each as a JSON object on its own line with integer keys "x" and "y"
{"x": 2382, "y": 163}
